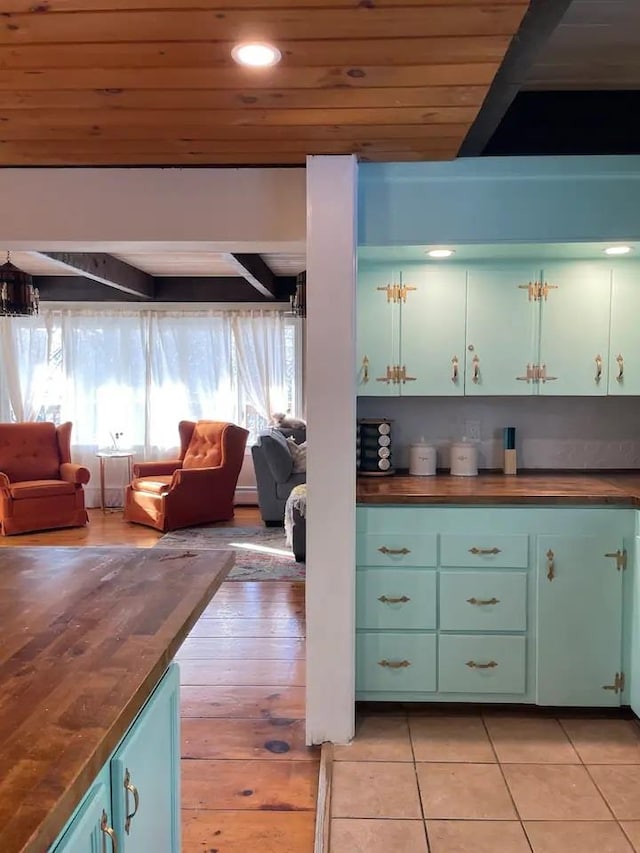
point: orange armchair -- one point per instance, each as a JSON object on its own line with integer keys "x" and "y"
{"x": 40, "y": 488}
{"x": 196, "y": 488}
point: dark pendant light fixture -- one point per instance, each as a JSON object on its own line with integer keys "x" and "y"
{"x": 18, "y": 296}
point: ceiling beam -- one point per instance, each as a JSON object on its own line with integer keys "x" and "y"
{"x": 256, "y": 272}
{"x": 209, "y": 289}
{"x": 539, "y": 22}
{"x": 106, "y": 270}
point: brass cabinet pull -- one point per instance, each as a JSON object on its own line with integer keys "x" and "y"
{"x": 542, "y": 374}
{"x": 483, "y": 600}
{"x": 620, "y": 361}
{"x": 365, "y": 369}
{"x": 473, "y": 665}
{"x": 384, "y": 550}
{"x": 475, "y": 550}
{"x": 394, "y": 664}
{"x": 386, "y": 600}
{"x": 402, "y": 375}
{"x": 129, "y": 786}
{"x": 108, "y": 830}
{"x": 392, "y": 291}
{"x": 551, "y": 566}
{"x": 598, "y": 361}
{"x": 529, "y": 375}
{"x": 454, "y": 368}
{"x": 476, "y": 369}
{"x": 620, "y": 557}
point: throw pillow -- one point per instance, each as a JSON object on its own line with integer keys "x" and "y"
{"x": 298, "y": 454}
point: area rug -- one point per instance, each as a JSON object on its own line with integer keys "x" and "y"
{"x": 261, "y": 553}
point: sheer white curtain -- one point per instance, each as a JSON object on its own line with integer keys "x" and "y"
{"x": 191, "y": 376}
{"x": 25, "y": 351}
{"x": 138, "y": 372}
{"x": 259, "y": 338}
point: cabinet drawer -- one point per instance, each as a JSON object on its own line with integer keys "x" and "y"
{"x": 397, "y": 549}
{"x": 396, "y": 662}
{"x": 396, "y": 598}
{"x": 484, "y": 550}
{"x": 462, "y": 664}
{"x": 483, "y": 601}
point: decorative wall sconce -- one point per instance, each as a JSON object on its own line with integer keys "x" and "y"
{"x": 18, "y": 296}
{"x": 299, "y": 298}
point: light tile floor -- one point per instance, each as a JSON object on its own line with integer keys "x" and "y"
{"x": 487, "y": 782}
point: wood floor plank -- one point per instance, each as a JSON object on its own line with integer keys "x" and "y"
{"x": 238, "y": 672}
{"x": 257, "y": 609}
{"x": 279, "y": 739}
{"x": 272, "y": 591}
{"x": 229, "y": 702}
{"x": 264, "y": 648}
{"x": 206, "y": 831}
{"x": 249, "y": 785}
{"x": 248, "y": 628}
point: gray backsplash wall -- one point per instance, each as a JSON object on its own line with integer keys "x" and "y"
{"x": 551, "y": 432}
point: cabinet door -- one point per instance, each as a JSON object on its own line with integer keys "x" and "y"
{"x": 378, "y": 323}
{"x": 574, "y": 328}
{"x": 624, "y": 351}
{"x": 502, "y": 330}
{"x": 633, "y": 629}
{"x": 579, "y": 630}
{"x": 145, "y": 775}
{"x": 85, "y": 832}
{"x": 432, "y": 326}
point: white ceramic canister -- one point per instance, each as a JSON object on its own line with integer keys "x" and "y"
{"x": 422, "y": 460}
{"x": 464, "y": 459}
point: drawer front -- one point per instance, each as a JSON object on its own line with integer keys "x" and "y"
{"x": 396, "y": 662}
{"x": 396, "y": 598}
{"x": 484, "y": 550}
{"x": 483, "y": 601}
{"x": 475, "y": 664}
{"x": 397, "y": 549}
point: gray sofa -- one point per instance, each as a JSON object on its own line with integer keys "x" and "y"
{"x": 274, "y": 472}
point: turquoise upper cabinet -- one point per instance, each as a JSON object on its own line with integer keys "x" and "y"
{"x": 574, "y": 328}
{"x": 411, "y": 330}
{"x": 579, "y": 620}
{"x": 502, "y": 330}
{"x": 624, "y": 353}
{"x": 432, "y": 343}
{"x": 378, "y": 334}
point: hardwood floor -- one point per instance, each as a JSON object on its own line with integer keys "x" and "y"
{"x": 248, "y": 781}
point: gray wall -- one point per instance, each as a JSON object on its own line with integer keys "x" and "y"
{"x": 551, "y": 432}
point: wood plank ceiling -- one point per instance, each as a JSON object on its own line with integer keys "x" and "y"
{"x": 152, "y": 82}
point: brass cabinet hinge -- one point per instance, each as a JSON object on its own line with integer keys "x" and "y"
{"x": 620, "y": 557}
{"x": 538, "y": 290}
{"x": 618, "y": 683}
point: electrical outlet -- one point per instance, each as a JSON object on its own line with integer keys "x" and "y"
{"x": 472, "y": 430}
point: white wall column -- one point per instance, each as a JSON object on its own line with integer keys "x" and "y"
{"x": 331, "y": 466}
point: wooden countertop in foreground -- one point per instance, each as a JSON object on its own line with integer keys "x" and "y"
{"x": 498, "y": 489}
{"x": 85, "y": 635}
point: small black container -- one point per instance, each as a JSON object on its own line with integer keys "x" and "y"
{"x": 374, "y": 455}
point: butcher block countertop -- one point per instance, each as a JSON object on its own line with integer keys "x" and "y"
{"x": 498, "y": 489}
{"x": 85, "y": 636}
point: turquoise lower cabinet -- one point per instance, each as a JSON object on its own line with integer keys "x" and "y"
{"x": 396, "y": 598}
{"x": 481, "y": 664}
{"x": 531, "y": 604}
{"x": 90, "y": 827}
{"x": 579, "y": 623}
{"x": 396, "y": 662}
{"x": 134, "y": 804}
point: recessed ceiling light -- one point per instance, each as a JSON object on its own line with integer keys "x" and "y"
{"x": 256, "y": 54}
{"x": 440, "y": 253}
{"x": 617, "y": 250}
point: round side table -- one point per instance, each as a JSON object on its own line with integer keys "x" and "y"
{"x": 103, "y": 456}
